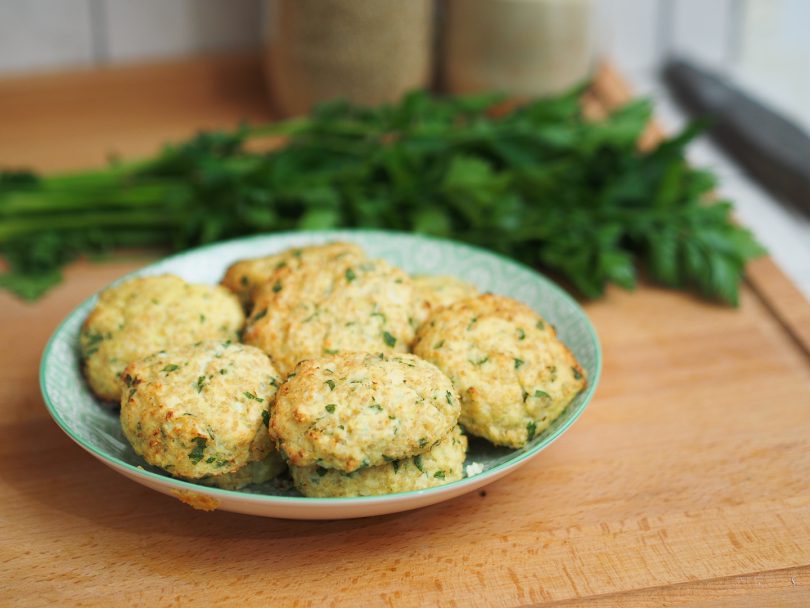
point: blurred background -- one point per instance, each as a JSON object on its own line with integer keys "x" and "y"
{"x": 762, "y": 45}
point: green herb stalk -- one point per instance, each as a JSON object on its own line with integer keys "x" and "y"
{"x": 541, "y": 184}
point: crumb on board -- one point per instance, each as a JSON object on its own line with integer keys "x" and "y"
{"x": 201, "y": 502}
{"x": 474, "y": 468}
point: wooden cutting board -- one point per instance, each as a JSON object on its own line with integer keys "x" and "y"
{"x": 685, "y": 483}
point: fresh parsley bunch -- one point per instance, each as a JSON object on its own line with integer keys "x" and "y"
{"x": 539, "y": 183}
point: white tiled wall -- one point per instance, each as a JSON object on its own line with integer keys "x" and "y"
{"x": 630, "y": 31}
{"x": 775, "y": 59}
{"x": 54, "y": 34}
{"x": 707, "y": 30}
{"x": 45, "y": 34}
{"x": 146, "y": 29}
{"x": 768, "y": 38}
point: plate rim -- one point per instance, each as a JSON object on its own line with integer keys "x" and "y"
{"x": 269, "y": 499}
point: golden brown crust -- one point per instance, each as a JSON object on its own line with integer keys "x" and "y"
{"x": 440, "y": 465}
{"x": 244, "y": 277}
{"x": 438, "y": 291}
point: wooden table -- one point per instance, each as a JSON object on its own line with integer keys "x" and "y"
{"x": 685, "y": 483}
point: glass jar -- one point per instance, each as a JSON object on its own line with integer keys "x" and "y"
{"x": 525, "y": 48}
{"x": 366, "y": 51}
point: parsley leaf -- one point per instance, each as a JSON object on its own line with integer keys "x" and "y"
{"x": 542, "y": 184}
{"x": 197, "y": 452}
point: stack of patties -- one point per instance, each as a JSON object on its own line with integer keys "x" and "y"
{"x": 513, "y": 374}
{"x": 193, "y": 401}
{"x": 358, "y": 416}
{"x": 360, "y": 424}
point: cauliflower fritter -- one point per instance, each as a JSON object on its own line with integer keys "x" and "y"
{"x": 358, "y": 410}
{"x": 201, "y": 411}
{"x": 513, "y": 374}
{"x": 245, "y": 276}
{"x": 146, "y": 314}
{"x": 314, "y": 311}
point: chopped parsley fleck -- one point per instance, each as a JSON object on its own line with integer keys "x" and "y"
{"x": 439, "y": 475}
{"x": 379, "y": 314}
{"x": 330, "y": 408}
{"x": 223, "y": 371}
{"x": 521, "y": 334}
{"x": 541, "y": 324}
{"x": 423, "y": 442}
{"x": 518, "y": 363}
{"x": 273, "y": 382}
{"x": 330, "y": 384}
{"x": 538, "y": 393}
{"x": 438, "y": 344}
{"x": 170, "y": 368}
{"x": 479, "y": 361}
{"x": 196, "y": 453}
{"x": 244, "y": 280}
{"x": 250, "y": 395}
{"x": 93, "y": 342}
{"x": 266, "y": 418}
{"x": 200, "y": 383}
{"x": 330, "y": 351}
{"x": 577, "y": 373}
{"x": 395, "y": 464}
{"x": 389, "y": 339}
{"x": 531, "y": 429}
{"x": 417, "y": 461}
{"x": 350, "y": 276}
{"x": 276, "y": 286}
{"x": 321, "y": 471}
{"x": 132, "y": 392}
{"x": 473, "y": 322}
{"x": 449, "y": 396}
{"x": 202, "y": 318}
{"x": 210, "y": 459}
{"x": 259, "y": 315}
{"x": 376, "y": 407}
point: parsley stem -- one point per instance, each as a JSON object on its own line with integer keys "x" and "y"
{"x": 131, "y": 219}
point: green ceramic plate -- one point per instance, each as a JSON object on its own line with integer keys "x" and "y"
{"x": 97, "y": 429}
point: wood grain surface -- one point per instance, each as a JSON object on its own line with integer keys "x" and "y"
{"x": 685, "y": 483}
